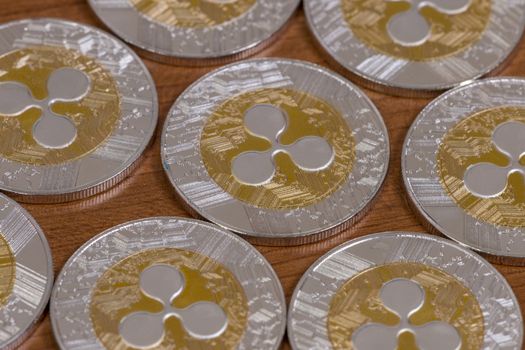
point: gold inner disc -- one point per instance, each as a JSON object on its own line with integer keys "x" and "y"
{"x": 7, "y": 270}
{"x": 224, "y": 137}
{"x": 470, "y": 142}
{"x": 192, "y": 13}
{"x": 117, "y": 294}
{"x": 94, "y": 116}
{"x": 450, "y": 34}
{"x": 358, "y": 303}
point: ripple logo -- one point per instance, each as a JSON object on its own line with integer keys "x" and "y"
{"x": 164, "y": 283}
{"x": 404, "y": 297}
{"x": 51, "y": 130}
{"x": 488, "y": 180}
{"x": 410, "y": 28}
{"x": 310, "y": 153}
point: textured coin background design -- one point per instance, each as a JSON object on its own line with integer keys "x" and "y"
{"x": 104, "y": 286}
{"x": 290, "y": 187}
{"x": 196, "y": 32}
{"x": 310, "y": 114}
{"x": 345, "y": 293}
{"x": 62, "y": 78}
{"x": 94, "y": 116}
{"x": 26, "y": 273}
{"x": 463, "y": 43}
{"x": 451, "y": 34}
{"x": 117, "y": 294}
{"x": 452, "y": 135}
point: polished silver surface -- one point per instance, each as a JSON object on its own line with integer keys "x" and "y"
{"x": 50, "y": 130}
{"x": 165, "y": 283}
{"x": 234, "y": 39}
{"x": 504, "y": 244}
{"x": 399, "y": 76}
{"x": 24, "y": 306}
{"x": 489, "y": 180}
{"x": 309, "y": 306}
{"x": 310, "y": 153}
{"x": 405, "y": 297}
{"x": 410, "y": 28}
{"x": 111, "y": 161}
{"x": 184, "y": 165}
{"x": 71, "y": 297}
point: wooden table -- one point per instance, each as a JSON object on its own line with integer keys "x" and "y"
{"x": 147, "y": 192}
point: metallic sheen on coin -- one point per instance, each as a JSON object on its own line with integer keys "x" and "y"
{"x": 168, "y": 283}
{"x": 281, "y": 151}
{"x": 463, "y": 167}
{"x": 400, "y": 290}
{"x": 77, "y": 109}
{"x": 26, "y": 273}
{"x": 415, "y": 47}
{"x": 196, "y": 32}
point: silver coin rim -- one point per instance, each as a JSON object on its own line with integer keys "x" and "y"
{"x": 276, "y": 281}
{"x": 191, "y": 58}
{"x": 515, "y": 258}
{"x": 403, "y": 235}
{"x": 24, "y": 333}
{"x": 290, "y": 238}
{"x": 350, "y": 65}
{"x": 87, "y": 190}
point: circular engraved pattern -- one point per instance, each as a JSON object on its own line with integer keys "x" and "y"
{"x": 446, "y": 299}
{"x": 450, "y": 34}
{"x": 475, "y": 47}
{"x": 467, "y": 130}
{"x": 95, "y": 116}
{"x": 193, "y": 14}
{"x": 470, "y": 142}
{"x": 83, "y": 82}
{"x": 435, "y": 289}
{"x": 118, "y": 294}
{"x": 7, "y": 270}
{"x": 26, "y": 273}
{"x": 291, "y": 186}
{"x": 196, "y": 32}
{"x": 192, "y": 140}
{"x": 169, "y": 275}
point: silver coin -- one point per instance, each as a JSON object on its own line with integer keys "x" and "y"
{"x": 26, "y": 270}
{"x": 77, "y": 110}
{"x": 397, "y": 289}
{"x": 168, "y": 282}
{"x": 462, "y": 169}
{"x": 196, "y": 32}
{"x": 281, "y": 151}
{"x": 415, "y": 47}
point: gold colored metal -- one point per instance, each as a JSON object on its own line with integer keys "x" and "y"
{"x": 224, "y": 137}
{"x": 357, "y": 303}
{"x": 7, "y": 270}
{"x": 469, "y": 143}
{"x": 117, "y": 294}
{"x": 451, "y": 34}
{"x": 95, "y": 116}
{"x": 193, "y": 13}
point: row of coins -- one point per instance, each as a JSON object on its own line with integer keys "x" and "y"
{"x": 280, "y": 151}
{"x": 169, "y": 283}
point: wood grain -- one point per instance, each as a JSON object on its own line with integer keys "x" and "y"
{"x": 147, "y": 192}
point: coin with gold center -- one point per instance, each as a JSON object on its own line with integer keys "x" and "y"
{"x": 415, "y": 47}
{"x": 282, "y": 151}
{"x": 196, "y": 32}
{"x": 26, "y": 273}
{"x": 168, "y": 283}
{"x": 401, "y": 290}
{"x": 77, "y": 109}
{"x": 463, "y": 167}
